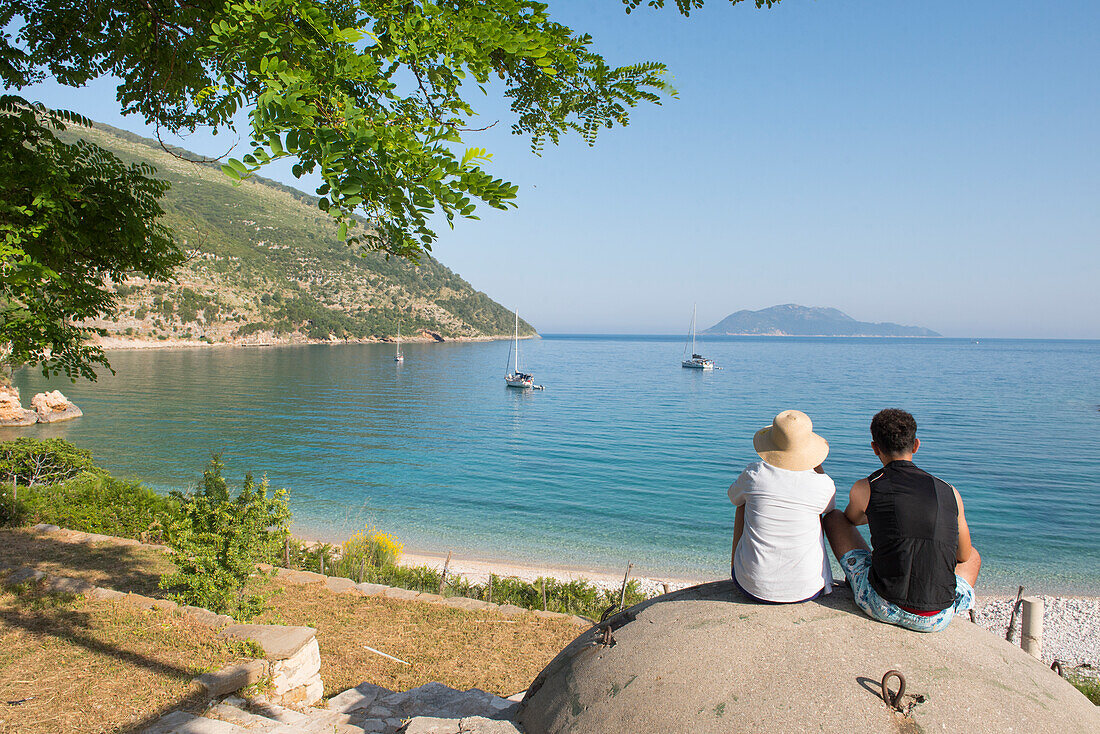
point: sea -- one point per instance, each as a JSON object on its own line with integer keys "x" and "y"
{"x": 625, "y": 457}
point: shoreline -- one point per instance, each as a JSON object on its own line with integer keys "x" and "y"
{"x": 129, "y": 344}
{"x": 477, "y": 565}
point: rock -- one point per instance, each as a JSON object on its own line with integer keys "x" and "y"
{"x": 52, "y": 407}
{"x": 370, "y": 725}
{"x": 232, "y": 677}
{"x": 22, "y": 576}
{"x": 12, "y": 412}
{"x": 372, "y": 589}
{"x": 303, "y": 577}
{"x": 339, "y": 584}
{"x": 511, "y": 610}
{"x": 206, "y": 617}
{"x": 278, "y": 642}
{"x": 436, "y": 699}
{"x": 100, "y": 592}
{"x": 393, "y": 592}
{"x": 63, "y": 585}
{"x": 43, "y": 527}
{"x": 707, "y": 659}
{"x": 181, "y": 722}
{"x": 431, "y": 725}
{"x": 481, "y": 725}
{"x": 429, "y": 598}
{"x": 355, "y": 699}
{"x": 470, "y": 605}
{"x": 297, "y": 680}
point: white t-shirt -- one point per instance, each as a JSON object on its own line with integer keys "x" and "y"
{"x": 781, "y": 554}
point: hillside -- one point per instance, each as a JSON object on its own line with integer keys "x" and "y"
{"x": 794, "y": 320}
{"x": 266, "y": 266}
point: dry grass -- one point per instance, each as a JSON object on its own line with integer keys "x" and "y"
{"x": 77, "y": 664}
{"x": 461, "y": 649}
{"x": 133, "y": 568}
{"x": 458, "y": 648}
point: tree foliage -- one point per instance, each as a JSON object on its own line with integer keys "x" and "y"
{"x": 72, "y": 217}
{"x": 374, "y": 95}
{"x": 218, "y": 539}
{"x": 29, "y": 461}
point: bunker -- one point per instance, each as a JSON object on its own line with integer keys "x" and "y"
{"x": 706, "y": 659}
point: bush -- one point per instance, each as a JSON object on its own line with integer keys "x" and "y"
{"x": 96, "y": 502}
{"x": 372, "y": 547}
{"x": 13, "y": 512}
{"x": 28, "y": 461}
{"x": 219, "y": 539}
{"x": 372, "y": 556}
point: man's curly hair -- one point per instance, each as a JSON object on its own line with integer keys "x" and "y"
{"x": 894, "y": 430}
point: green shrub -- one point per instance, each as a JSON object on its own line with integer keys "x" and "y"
{"x": 13, "y": 512}
{"x": 96, "y": 502}
{"x": 219, "y": 539}
{"x": 1088, "y": 686}
{"x": 28, "y": 461}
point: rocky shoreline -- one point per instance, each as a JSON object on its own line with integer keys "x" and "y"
{"x": 48, "y": 407}
{"x": 119, "y": 343}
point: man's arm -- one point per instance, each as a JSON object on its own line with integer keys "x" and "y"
{"x": 965, "y": 550}
{"x": 856, "y": 512}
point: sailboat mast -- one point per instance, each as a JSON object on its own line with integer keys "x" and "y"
{"x": 517, "y": 342}
{"x": 694, "y": 308}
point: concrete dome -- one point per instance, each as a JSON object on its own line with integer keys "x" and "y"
{"x": 705, "y": 659}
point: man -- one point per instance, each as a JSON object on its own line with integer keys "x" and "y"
{"x": 923, "y": 568}
{"x": 778, "y": 551}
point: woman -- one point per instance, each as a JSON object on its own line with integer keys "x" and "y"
{"x": 778, "y": 548}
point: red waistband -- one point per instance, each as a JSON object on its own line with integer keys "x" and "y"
{"x": 920, "y": 613}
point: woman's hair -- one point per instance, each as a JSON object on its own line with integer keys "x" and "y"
{"x": 894, "y": 431}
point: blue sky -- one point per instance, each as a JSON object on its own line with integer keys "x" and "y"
{"x": 932, "y": 163}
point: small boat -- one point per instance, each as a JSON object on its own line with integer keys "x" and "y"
{"x": 515, "y": 378}
{"x": 697, "y": 361}
{"x": 399, "y": 357}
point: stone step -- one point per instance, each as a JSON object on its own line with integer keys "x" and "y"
{"x": 181, "y": 722}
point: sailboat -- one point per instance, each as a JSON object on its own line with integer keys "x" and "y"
{"x": 515, "y": 378}
{"x": 697, "y": 361}
{"x": 399, "y": 357}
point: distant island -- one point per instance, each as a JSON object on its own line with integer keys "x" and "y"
{"x": 794, "y": 320}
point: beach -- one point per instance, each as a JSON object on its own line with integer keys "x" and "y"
{"x": 1071, "y": 624}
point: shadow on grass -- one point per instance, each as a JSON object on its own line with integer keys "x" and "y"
{"x": 42, "y": 613}
{"x": 128, "y": 568}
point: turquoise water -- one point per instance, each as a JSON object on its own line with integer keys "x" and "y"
{"x": 626, "y": 456}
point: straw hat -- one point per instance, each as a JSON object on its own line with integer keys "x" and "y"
{"x": 790, "y": 442}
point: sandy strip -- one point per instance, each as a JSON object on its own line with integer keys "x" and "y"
{"x": 478, "y": 570}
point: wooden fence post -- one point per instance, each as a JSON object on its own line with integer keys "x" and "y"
{"x": 286, "y": 552}
{"x": 443, "y": 576}
{"x": 622, "y": 595}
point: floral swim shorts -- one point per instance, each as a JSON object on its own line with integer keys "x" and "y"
{"x": 857, "y": 568}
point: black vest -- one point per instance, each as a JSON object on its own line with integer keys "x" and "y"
{"x": 914, "y": 522}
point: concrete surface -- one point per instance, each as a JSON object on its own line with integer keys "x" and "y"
{"x": 705, "y": 659}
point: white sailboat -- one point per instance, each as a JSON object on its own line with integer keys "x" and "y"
{"x": 398, "y": 357}
{"x": 515, "y": 378}
{"x": 697, "y": 361}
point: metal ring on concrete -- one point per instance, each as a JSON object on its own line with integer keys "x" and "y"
{"x": 893, "y": 699}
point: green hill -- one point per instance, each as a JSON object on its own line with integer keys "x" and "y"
{"x": 266, "y": 265}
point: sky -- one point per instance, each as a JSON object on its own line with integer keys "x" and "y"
{"x": 930, "y": 163}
